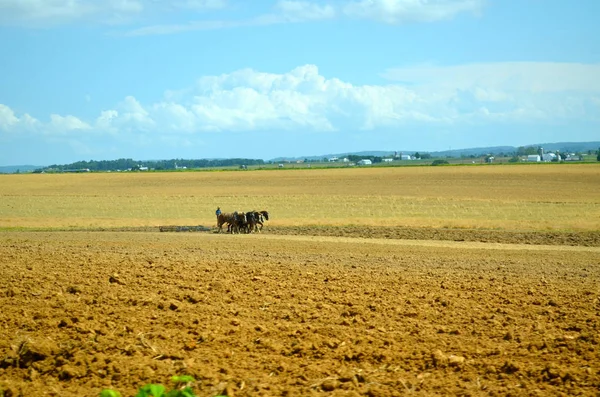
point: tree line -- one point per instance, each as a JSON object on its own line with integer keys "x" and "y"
{"x": 162, "y": 165}
{"x": 136, "y": 165}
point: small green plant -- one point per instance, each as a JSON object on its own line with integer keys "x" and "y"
{"x": 182, "y": 388}
{"x": 109, "y": 393}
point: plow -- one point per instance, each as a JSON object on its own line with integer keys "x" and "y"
{"x": 198, "y": 228}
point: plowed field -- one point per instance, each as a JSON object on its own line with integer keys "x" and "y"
{"x": 296, "y": 315}
{"x": 364, "y": 282}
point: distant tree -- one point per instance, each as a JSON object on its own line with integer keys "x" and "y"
{"x": 525, "y": 151}
{"x": 425, "y": 156}
{"x": 598, "y": 157}
{"x": 513, "y": 159}
{"x": 124, "y": 164}
{"x": 417, "y": 155}
{"x": 439, "y": 162}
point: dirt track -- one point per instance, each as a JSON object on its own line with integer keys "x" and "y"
{"x": 293, "y": 315}
{"x": 582, "y": 238}
{"x": 591, "y": 239}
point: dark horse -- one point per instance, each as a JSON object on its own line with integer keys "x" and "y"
{"x": 233, "y": 219}
{"x": 254, "y": 219}
{"x": 261, "y": 217}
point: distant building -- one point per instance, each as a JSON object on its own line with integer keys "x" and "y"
{"x": 364, "y": 162}
{"x": 533, "y": 158}
{"x": 387, "y": 160}
{"x": 405, "y": 157}
{"x": 333, "y": 159}
{"x": 549, "y": 157}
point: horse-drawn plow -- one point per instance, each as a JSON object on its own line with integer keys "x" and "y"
{"x": 198, "y": 228}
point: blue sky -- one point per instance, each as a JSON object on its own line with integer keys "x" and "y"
{"x": 161, "y": 79}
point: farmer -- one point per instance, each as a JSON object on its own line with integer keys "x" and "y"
{"x": 217, "y": 213}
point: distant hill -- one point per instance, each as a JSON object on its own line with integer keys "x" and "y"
{"x": 199, "y": 163}
{"x": 495, "y": 150}
{"x": 570, "y": 146}
{"x": 12, "y": 169}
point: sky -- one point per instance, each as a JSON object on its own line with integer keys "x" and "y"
{"x": 192, "y": 79}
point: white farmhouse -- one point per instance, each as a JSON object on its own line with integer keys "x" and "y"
{"x": 533, "y": 158}
{"x": 364, "y": 162}
{"x": 405, "y": 157}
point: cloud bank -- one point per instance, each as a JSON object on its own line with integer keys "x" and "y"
{"x": 303, "y": 100}
{"x": 45, "y": 13}
{"x": 190, "y": 15}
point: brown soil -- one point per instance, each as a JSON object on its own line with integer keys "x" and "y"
{"x": 579, "y": 238}
{"x": 590, "y": 239}
{"x": 296, "y": 315}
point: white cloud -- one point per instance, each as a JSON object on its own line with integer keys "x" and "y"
{"x": 132, "y": 117}
{"x": 53, "y": 12}
{"x": 64, "y": 124}
{"x": 190, "y": 14}
{"x": 285, "y": 11}
{"x": 105, "y": 121}
{"x": 404, "y": 11}
{"x": 534, "y": 77}
{"x": 8, "y": 119}
{"x": 305, "y": 10}
{"x": 10, "y": 122}
{"x": 197, "y": 4}
{"x": 296, "y": 11}
{"x": 304, "y": 100}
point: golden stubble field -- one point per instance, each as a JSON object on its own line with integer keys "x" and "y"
{"x": 525, "y": 197}
{"x": 383, "y": 282}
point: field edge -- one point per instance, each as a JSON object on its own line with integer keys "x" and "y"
{"x": 567, "y": 238}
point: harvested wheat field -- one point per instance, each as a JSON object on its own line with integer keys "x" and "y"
{"x": 378, "y": 305}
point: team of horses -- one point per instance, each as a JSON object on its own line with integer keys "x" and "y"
{"x": 242, "y": 222}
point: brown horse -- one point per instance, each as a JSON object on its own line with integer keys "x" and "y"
{"x": 233, "y": 220}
